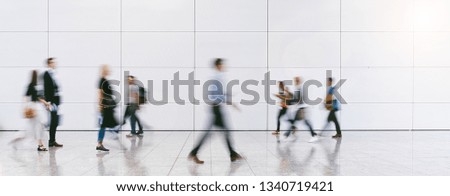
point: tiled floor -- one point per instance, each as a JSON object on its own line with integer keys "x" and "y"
{"x": 161, "y": 153}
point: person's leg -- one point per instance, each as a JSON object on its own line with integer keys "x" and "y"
{"x": 194, "y": 151}
{"x": 126, "y": 114}
{"x": 101, "y": 136}
{"x": 138, "y": 121}
{"x": 336, "y": 123}
{"x": 292, "y": 121}
{"x": 197, "y": 147}
{"x": 53, "y": 126}
{"x": 38, "y": 130}
{"x": 279, "y": 119}
{"x": 281, "y": 113}
{"x": 311, "y": 130}
{"x": 133, "y": 124}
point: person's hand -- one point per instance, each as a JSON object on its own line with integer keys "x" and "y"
{"x": 47, "y": 105}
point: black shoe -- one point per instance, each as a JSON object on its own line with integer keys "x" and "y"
{"x": 337, "y": 136}
{"x": 235, "y": 157}
{"x": 140, "y": 132}
{"x": 41, "y": 148}
{"x": 54, "y": 144}
{"x": 102, "y": 148}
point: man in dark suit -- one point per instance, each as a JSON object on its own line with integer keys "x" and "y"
{"x": 51, "y": 94}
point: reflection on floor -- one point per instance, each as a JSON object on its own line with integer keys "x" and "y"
{"x": 161, "y": 153}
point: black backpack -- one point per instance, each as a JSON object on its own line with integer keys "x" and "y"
{"x": 142, "y": 95}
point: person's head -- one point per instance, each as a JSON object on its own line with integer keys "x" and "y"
{"x": 297, "y": 81}
{"x": 105, "y": 70}
{"x": 329, "y": 81}
{"x": 218, "y": 64}
{"x": 51, "y": 63}
{"x": 281, "y": 85}
{"x": 130, "y": 79}
{"x": 34, "y": 77}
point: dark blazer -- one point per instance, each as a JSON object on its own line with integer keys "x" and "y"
{"x": 51, "y": 89}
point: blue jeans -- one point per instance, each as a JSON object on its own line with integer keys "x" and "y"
{"x": 101, "y": 134}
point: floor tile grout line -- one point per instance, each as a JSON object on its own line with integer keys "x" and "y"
{"x": 179, "y": 154}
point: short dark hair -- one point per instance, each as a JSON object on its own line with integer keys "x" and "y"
{"x": 130, "y": 76}
{"x": 49, "y": 60}
{"x": 218, "y": 62}
{"x": 330, "y": 79}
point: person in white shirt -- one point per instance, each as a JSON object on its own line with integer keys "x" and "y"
{"x": 298, "y": 108}
{"x": 217, "y": 96}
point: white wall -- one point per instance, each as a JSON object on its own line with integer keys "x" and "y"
{"x": 393, "y": 53}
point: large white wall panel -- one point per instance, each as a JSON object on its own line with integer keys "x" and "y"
{"x": 158, "y": 49}
{"x": 431, "y": 15}
{"x": 241, "y": 49}
{"x": 377, "y": 49}
{"x": 379, "y": 15}
{"x": 84, "y": 15}
{"x": 23, "y": 49}
{"x": 231, "y": 15}
{"x": 431, "y": 85}
{"x": 23, "y": 15}
{"x": 377, "y": 84}
{"x": 158, "y": 15}
{"x": 432, "y": 49}
{"x": 376, "y": 116}
{"x": 393, "y": 53}
{"x": 303, "y": 15}
{"x": 304, "y": 49}
{"x": 85, "y": 48}
{"x": 431, "y": 115}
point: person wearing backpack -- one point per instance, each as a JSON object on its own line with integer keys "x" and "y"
{"x": 132, "y": 106}
{"x": 332, "y": 105}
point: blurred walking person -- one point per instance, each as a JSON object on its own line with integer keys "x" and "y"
{"x": 299, "y": 107}
{"x": 283, "y": 95}
{"x": 332, "y": 105}
{"x": 35, "y": 125}
{"x": 132, "y": 108}
{"x": 216, "y": 97}
{"x": 53, "y": 97}
{"x": 107, "y": 104}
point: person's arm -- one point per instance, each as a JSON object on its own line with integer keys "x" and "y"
{"x": 135, "y": 95}
{"x": 100, "y": 100}
{"x": 48, "y": 85}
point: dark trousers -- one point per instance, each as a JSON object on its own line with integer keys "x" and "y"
{"x": 281, "y": 113}
{"x": 219, "y": 122}
{"x": 130, "y": 112}
{"x": 332, "y": 118}
{"x": 299, "y": 115}
{"x": 53, "y": 125}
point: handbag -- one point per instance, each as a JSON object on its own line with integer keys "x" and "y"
{"x": 29, "y": 112}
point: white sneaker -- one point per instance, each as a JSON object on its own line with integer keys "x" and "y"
{"x": 314, "y": 139}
